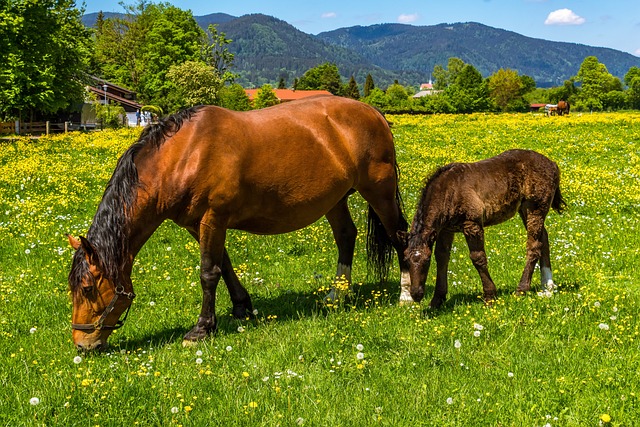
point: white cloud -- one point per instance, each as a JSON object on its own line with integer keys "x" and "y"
{"x": 329, "y": 15}
{"x": 406, "y": 18}
{"x": 637, "y": 52}
{"x": 564, "y": 17}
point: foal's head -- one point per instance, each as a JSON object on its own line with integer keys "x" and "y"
{"x": 418, "y": 256}
{"x": 98, "y": 302}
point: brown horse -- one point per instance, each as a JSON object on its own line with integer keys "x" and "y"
{"x": 466, "y": 197}
{"x": 563, "y": 108}
{"x": 209, "y": 169}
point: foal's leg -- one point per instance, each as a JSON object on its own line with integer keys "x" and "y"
{"x": 474, "y": 234}
{"x": 534, "y": 222}
{"x": 211, "y": 257}
{"x": 344, "y": 233}
{"x": 442, "y": 253}
{"x": 546, "y": 277}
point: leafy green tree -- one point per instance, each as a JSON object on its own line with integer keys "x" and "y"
{"x": 377, "y": 98}
{"x": 351, "y": 90}
{"x": 468, "y": 93}
{"x": 44, "y": 52}
{"x": 445, "y": 77}
{"x": 282, "y": 84}
{"x": 595, "y": 81}
{"x": 505, "y": 88}
{"x": 234, "y": 97}
{"x": 323, "y": 77}
{"x": 369, "y": 85}
{"x": 194, "y": 83}
{"x": 265, "y": 97}
{"x": 216, "y": 53}
{"x": 397, "y": 95}
{"x": 632, "y": 80}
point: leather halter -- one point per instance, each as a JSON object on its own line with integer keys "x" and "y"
{"x": 99, "y": 324}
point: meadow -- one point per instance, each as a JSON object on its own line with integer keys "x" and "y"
{"x": 568, "y": 358}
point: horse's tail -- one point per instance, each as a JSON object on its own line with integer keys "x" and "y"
{"x": 558, "y": 204}
{"x": 379, "y": 245}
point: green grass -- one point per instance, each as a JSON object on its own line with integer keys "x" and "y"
{"x": 564, "y": 361}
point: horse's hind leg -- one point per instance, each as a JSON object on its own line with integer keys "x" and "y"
{"x": 344, "y": 233}
{"x": 474, "y": 234}
{"x": 536, "y": 236}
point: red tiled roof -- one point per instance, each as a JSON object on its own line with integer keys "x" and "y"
{"x": 110, "y": 96}
{"x": 285, "y": 95}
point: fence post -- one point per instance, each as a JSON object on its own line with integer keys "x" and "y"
{"x": 66, "y": 127}
{"x": 46, "y": 129}
{"x": 17, "y": 127}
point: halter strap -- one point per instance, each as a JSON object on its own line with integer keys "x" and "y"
{"x": 99, "y": 324}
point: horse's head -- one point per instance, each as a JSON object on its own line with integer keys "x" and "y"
{"x": 418, "y": 256}
{"x": 98, "y": 302}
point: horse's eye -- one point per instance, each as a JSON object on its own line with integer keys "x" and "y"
{"x": 87, "y": 290}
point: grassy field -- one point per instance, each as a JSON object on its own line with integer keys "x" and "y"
{"x": 569, "y": 359}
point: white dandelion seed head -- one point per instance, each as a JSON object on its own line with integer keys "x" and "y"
{"x": 603, "y": 326}
{"x": 28, "y": 251}
{"x": 360, "y": 356}
{"x": 255, "y": 311}
{"x": 77, "y": 360}
{"x": 241, "y": 329}
{"x": 199, "y": 353}
{"x": 359, "y": 347}
{"x": 175, "y": 410}
{"x": 33, "y": 330}
{"x": 478, "y": 327}
{"x": 34, "y": 401}
{"x": 457, "y": 344}
{"x": 152, "y": 303}
{"x": 510, "y": 374}
{"x": 229, "y": 348}
{"x": 449, "y": 400}
{"x": 199, "y": 361}
{"x": 596, "y": 304}
{"x": 300, "y": 421}
{"x": 476, "y": 334}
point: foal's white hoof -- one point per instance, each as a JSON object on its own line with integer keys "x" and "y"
{"x": 406, "y": 300}
{"x": 189, "y": 343}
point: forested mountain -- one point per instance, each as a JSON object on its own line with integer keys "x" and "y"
{"x": 267, "y": 49}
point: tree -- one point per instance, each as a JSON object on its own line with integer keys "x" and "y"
{"x": 632, "y": 80}
{"x": 194, "y": 83}
{"x": 234, "y": 97}
{"x": 505, "y": 87}
{"x": 368, "y": 85}
{"x": 265, "y": 97}
{"x": 323, "y": 77}
{"x": 216, "y": 54}
{"x": 595, "y": 83}
{"x": 45, "y": 50}
{"x": 397, "y": 95}
{"x": 352, "y": 91}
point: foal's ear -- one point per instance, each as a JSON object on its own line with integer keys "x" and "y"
{"x": 403, "y": 236}
{"x": 75, "y": 243}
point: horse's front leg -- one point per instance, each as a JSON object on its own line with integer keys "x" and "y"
{"x": 211, "y": 260}
{"x": 344, "y": 233}
{"x": 242, "y": 307}
{"x": 443, "y": 254}
{"x": 546, "y": 276}
{"x": 474, "y": 234}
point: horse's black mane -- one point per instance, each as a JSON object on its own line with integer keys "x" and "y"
{"x": 109, "y": 230}
{"x": 422, "y": 205}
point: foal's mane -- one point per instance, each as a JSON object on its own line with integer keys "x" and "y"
{"x": 109, "y": 230}
{"x": 423, "y": 202}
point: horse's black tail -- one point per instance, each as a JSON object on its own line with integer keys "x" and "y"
{"x": 379, "y": 245}
{"x": 558, "y": 204}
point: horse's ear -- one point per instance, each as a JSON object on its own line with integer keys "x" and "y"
{"x": 75, "y": 243}
{"x": 403, "y": 236}
{"x": 90, "y": 252}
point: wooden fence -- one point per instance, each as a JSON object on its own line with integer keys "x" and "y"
{"x": 33, "y": 128}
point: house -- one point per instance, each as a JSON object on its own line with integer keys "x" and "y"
{"x": 107, "y": 92}
{"x": 286, "y": 95}
{"x": 426, "y": 89}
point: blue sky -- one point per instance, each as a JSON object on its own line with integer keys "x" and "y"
{"x": 604, "y": 23}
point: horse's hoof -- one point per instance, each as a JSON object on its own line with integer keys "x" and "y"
{"x": 189, "y": 343}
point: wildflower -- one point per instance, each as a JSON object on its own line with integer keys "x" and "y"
{"x": 476, "y": 334}
{"x": 300, "y": 421}
{"x": 77, "y": 360}
{"x": 245, "y": 374}
{"x": 255, "y": 311}
{"x": 199, "y": 353}
{"x": 199, "y": 361}
{"x": 152, "y": 303}
{"x": 28, "y": 251}
{"x": 241, "y": 329}
{"x": 34, "y": 401}
{"x": 605, "y": 418}
{"x": 596, "y": 304}
{"x": 229, "y": 348}
{"x": 457, "y": 344}
{"x": 449, "y": 400}
{"x": 510, "y": 374}
{"x": 188, "y": 408}
{"x": 253, "y": 405}
{"x": 33, "y": 330}
{"x": 359, "y": 347}
{"x": 478, "y": 327}
{"x": 360, "y": 356}
{"x": 265, "y": 379}
{"x": 603, "y": 326}
{"x": 175, "y": 410}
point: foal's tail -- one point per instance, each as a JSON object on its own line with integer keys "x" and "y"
{"x": 379, "y": 245}
{"x": 558, "y": 204}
